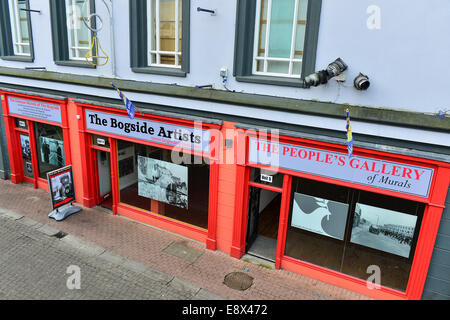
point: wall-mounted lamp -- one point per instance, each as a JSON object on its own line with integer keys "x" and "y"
{"x": 321, "y": 77}
{"x": 212, "y": 12}
{"x": 361, "y": 82}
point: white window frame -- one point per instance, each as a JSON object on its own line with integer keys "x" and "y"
{"x": 266, "y": 58}
{"x": 156, "y": 51}
{"x": 76, "y": 46}
{"x": 16, "y": 30}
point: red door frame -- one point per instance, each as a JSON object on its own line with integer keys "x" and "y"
{"x": 98, "y": 197}
{"x": 12, "y": 133}
{"x": 208, "y": 236}
{"x": 427, "y": 235}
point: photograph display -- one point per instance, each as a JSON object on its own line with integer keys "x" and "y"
{"x": 163, "y": 181}
{"x": 382, "y": 229}
{"x": 25, "y": 144}
{"x": 322, "y": 216}
{"x": 52, "y": 151}
{"x": 61, "y": 186}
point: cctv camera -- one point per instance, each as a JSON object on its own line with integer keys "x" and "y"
{"x": 321, "y": 77}
{"x": 361, "y": 82}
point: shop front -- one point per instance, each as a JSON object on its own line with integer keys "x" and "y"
{"x": 367, "y": 222}
{"x": 155, "y": 169}
{"x": 37, "y": 136}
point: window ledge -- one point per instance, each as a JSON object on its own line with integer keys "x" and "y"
{"x": 160, "y": 71}
{"x": 72, "y": 63}
{"x": 278, "y": 81}
{"x": 18, "y": 58}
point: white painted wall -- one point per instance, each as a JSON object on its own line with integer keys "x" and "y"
{"x": 406, "y": 60}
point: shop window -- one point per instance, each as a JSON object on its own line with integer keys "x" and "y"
{"x": 349, "y": 231}
{"x": 72, "y": 39}
{"x": 15, "y": 31}
{"x": 159, "y": 35}
{"x": 50, "y": 148}
{"x": 276, "y": 40}
{"x": 150, "y": 180}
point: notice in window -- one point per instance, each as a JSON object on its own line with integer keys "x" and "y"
{"x": 319, "y": 215}
{"x": 383, "y": 229}
{"x": 163, "y": 181}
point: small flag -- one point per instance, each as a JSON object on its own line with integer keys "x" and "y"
{"x": 128, "y": 104}
{"x": 349, "y": 136}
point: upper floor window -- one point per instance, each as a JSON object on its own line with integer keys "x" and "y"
{"x": 165, "y": 32}
{"x": 15, "y": 30}
{"x": 159, "y": 36}
{"x": 279, "y": 37}
{"x": 78, "y": 34}
{"x": 276, "y": 40}
{"x": 72, "y": 38}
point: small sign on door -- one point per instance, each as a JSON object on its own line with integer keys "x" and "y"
{"x": 266, "y": 178}
{"x": 101, "y": 142}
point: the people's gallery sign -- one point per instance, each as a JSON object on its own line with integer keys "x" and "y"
{"x": 183, "y": 137}
{"x": 372, "y": 172}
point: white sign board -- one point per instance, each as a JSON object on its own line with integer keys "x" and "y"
{"x": 153, "y": 131}
{"x": 399, "y": 177}
{"x": 35, "y": 109}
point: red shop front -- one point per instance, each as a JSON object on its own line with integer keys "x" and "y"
{"x": 367, "y": 223}
{"x": 156, "y": 169}
{"x": 37, "y": 134}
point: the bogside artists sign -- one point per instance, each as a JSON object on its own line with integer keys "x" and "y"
{"x": 35, "y": 109}
{"x": 377, "y": 173}
{"x": 159, "y": 132}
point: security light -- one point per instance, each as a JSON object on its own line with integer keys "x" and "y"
{"x": 362, "y": 82}
{"x": 321, "y": 77}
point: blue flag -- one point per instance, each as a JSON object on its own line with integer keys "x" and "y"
{"x": 128, "y": 104}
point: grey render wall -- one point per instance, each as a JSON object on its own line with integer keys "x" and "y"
{"x": 4, "y": 160}
{"x": 437, "y": 285}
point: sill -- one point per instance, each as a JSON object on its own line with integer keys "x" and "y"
{"x": 73, "y": 63}
{"x": 19, "y": 58}
{"x": 277, "y": 81}
{"x": 161, "y": 71}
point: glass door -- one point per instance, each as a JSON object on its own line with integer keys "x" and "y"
{"x": 104, "y": 178}
{"x": 25, "y": 147}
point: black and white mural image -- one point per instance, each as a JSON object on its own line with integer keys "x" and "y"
{"x": 322, "y": 216}
{"x": 382, "y": 229}
{"x": 163, "y": 181}
{"x": 62, "y": 187}
{"x": 25, "y": 145}
{"x": 52, "y": 151}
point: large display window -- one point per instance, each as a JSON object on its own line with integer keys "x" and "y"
{"x": 50, "y": 148}
{"x": 149, "y": 179}
{"x": 349, "y": 230}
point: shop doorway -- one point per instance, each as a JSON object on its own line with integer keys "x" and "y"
{"x": 104, "y": 179}
{"x": 262, "y": 223}
{"x": 101, "y": 157}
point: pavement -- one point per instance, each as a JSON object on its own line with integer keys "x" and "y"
{"x": 123, "y": 259}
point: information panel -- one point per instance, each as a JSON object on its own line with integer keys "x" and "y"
{"x": 35, "y": 109}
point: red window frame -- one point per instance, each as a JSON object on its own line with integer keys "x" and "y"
{"x": 434, "y": 205}
{"x": 12, "y": 138}
{"x": 204, "y": 235}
